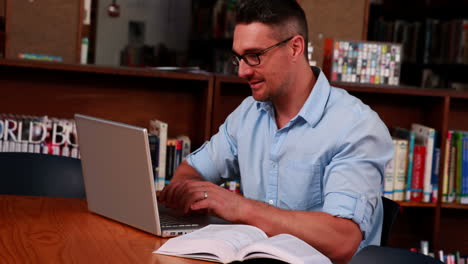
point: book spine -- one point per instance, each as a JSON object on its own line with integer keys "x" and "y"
{"x": 446, "y": 169}
{"x": 417, "y": 182}
{"x": 160, "y": 129}
{"x": 464, "y": 195}
{"x": 452, "y": 168}
{"x": 400, "y": 169}
{"x": 426, "y": 136}
{"x": 388, "y": 176}
{"x": 435, "y": 175}
{"x": 428, "y": 166}
{"x": 458, "y": 165}
{"x": 410, "y": 166}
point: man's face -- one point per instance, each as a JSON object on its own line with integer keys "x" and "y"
{"x": 267, "y": 80}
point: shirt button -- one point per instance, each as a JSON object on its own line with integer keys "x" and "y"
{"x": 273, "y": 165}
{"x": 270, "y": 201}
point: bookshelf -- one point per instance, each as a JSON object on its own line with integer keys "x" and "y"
{"x": 128, "y": 95}
{"x": 432, "y": 34}
{"x": 439, "y": 223}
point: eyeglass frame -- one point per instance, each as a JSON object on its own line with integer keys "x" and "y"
{"x": 236, "y": 58}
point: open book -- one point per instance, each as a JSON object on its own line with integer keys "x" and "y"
{"x": 229, "y": 243}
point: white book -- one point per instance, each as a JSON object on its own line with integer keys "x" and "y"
{"x": 159, "y": 129}
{"x": 65, "y": 151}
{"x": 12, "y": 146}
{"x": 45, "y": 150}
{"x": 31, "y": 148}
{"x": 87, "y": 12}
{"x": 74, "y": 153}
{"x": 37, "y": 148}
{"x": 399, "y": 172}
{"x": 229, "y": 243}
{"x": 24, "y": 147}
{"x": 426, "y": 136}
{"x": 6, "y": 146}
{"x": 388, "y": 176}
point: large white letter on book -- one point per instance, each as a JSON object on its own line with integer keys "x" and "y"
{"x": 37, "y": 130}
{"x": 9, "y": 130}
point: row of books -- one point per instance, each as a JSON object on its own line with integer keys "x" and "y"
{"x": 166, "y": 153}
{"x": 455, "y": 180}
{"x": 431, "y": 41}
{"x": 38, "y": 134}
{"x": 413, "y": 173}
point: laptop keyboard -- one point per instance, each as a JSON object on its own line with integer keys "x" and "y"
{"x": 171, "y": 221}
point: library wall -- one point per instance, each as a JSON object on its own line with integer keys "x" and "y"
{"x": 338, "y": 19}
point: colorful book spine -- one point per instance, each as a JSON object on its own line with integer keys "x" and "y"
{"x": 446, "y": 169}
{"x": 435, "y": 175}
{"x": 426, "y": 136}
{"x": 464, "y": 194}
{"x": 417, "y": 181}
{"x": 458, "y": 144}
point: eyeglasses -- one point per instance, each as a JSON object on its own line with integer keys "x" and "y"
{"x": 253, "y": 59}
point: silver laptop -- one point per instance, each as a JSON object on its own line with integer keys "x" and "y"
{"x": 119, "y": 182}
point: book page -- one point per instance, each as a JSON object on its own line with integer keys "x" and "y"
{"x": 213, "y": 242}
{"x": 286, "y": 248}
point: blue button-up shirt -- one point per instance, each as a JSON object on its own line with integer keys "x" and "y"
{"x": 329, "y": 158}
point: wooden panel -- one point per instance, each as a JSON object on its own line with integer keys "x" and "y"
{"x": 454, "y": 227}
{"x": 2, "y": 8}
{"x": 45, "y": 27}
{"x": 403, "y": 110}
{"x": 130, "y": 99}
{"x": 229, "y": 93}
{"x": 338, "y": 19}
{"x": 458, "y": 114}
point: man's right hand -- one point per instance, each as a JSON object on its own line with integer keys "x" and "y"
{"x": 171, "y": 194}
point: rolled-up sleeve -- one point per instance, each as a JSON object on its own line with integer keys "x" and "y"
{"x": 353, "y": 179}
{"x": 217, "y": 158}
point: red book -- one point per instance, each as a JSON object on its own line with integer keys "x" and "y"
{"x": 417, "y": 180}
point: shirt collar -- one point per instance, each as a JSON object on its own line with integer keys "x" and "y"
{"x": 314, "y": 106}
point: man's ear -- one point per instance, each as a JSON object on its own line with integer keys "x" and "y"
{"x": 298, "y": 46}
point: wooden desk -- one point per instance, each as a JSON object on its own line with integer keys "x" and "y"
{"x": 61, "y": 230}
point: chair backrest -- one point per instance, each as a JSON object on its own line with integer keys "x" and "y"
{"x": 391, "y": 210}
{"x": 387, "y": 255}
{"x": 40, "y": 175}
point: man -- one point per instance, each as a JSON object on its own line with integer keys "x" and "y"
{"x": 310, "y": 157}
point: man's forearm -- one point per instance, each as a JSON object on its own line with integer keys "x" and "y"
{"x": 186, "y": 172}
{"x": 337, "y": 238}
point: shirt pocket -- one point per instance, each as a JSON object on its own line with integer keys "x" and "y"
{"x": 300, "y": 185}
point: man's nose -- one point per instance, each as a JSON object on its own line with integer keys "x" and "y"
{"x": 244, "y": 70}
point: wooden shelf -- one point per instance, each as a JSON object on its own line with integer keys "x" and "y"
{"x": 455, "y": 206}
{"x": 124, "y": 71}
{"x": 403, "y": 90}
{"x": 129, "y": 95}
{"x": 416, "y": 204}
